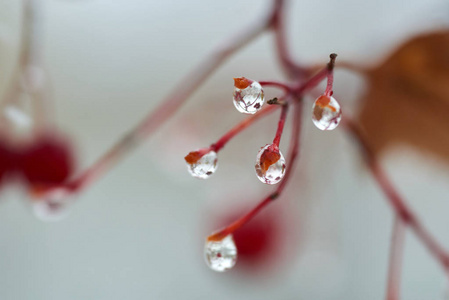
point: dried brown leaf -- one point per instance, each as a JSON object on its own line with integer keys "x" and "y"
{"x": 407, "y": 100}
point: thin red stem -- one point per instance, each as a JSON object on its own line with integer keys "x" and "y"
{"x": 397, "y": 202}
{"x": 396, "y": 258}
{"x": 217, "y": 146}
{"x": 330, "y": 75}
{"x": 293, "y": 155}
{"x": 281, "y": 123}
{"x": 280, "y": 85}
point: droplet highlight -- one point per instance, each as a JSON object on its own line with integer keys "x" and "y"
{"x": 270, "y": 164}
{"x": 326, "y": 113}
{"x": 248, "y": 95}
{"x": 221, "y": 255}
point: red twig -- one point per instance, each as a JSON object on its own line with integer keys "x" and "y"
{"x": 396, "y": 257}
{"x": 217, "y": 146}
{"x": 326, "y": 72}
{"x": 399, "y": 205}
{"x": 281, "y": 123}
{"x": 293, "y": 154}
{"x": 280, "y": 85}
{"x": 330, "y": 75}
{"x": 29, "y": 75}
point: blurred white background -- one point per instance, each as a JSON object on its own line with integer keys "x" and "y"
{"x": 138, "y": 233}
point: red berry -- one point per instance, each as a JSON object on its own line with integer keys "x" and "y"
{"x": 48, "y": 160}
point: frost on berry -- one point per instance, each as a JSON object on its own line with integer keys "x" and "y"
{"x": 221, "y": 255}
{"x": 248, "y": 95}
{"x": 202, "y": 163}
{"x": 48, "y": 160}
{"x": 270, "y": 164}
{"x": 326, "y": 113}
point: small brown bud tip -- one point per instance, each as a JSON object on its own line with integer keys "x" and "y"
{"x": 242, "y": 82}
{"x": 333, "y": 56}
{"x": 193, "y": 157}
{"x": 270, "y": 156}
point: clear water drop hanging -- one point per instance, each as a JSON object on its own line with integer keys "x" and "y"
{"x": 54, "y": 208}
{"x": 248, "y": 95}
{"x": 270, "y": 165}
{"x": 202, "y": 166}
{"x": 221, "y": 255}
{"x": 326, "y": 113}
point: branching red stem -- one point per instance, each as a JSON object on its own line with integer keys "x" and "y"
{"x": 292, "y": 154}
{"x": 330, "y": 75}
{"x": 217, "y": 146}
{"x": 326, "y": 72}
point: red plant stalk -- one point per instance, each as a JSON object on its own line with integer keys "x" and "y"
{"x": 280, "y": 85}
{"x": 330, "y": 75}
{"x": 396, "y": 257}
{"x": 218, "y": 145}
{"x": 399, "y": 205}
{"x": 326, "y": 72}
{"x": 277, "y": 138}
{"x": 292, "y": 154}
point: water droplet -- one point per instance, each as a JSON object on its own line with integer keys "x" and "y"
{"x": 202, "y": 165}
{"x": 250, "y": 99}
{"x": 221, "y": 255}
{"x": 53, "y": 208}
{"x": 326, "y": 113}
{"x": 270, "y": 165}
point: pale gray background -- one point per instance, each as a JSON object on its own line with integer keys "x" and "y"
{"x": 138, "y": 233}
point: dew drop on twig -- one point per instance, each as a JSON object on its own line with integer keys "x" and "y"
{"x": 248, "y": 98}
{"x": 221, "y": 255}
{"x": 202, "y": 166}
{"x": 55, "y": 207}
{"x": 326, "y": 113}
{"x": 270, "y": 165}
